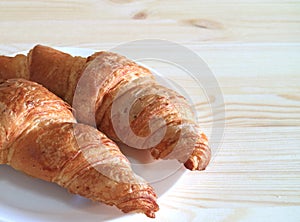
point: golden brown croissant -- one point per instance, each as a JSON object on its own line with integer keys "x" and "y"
{"x": 102, "y": 85}
{"x": 40, "y": 137}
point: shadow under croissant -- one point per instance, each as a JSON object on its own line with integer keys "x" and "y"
{"x": 161, "y": 174}
{"x": 37, "y": 197}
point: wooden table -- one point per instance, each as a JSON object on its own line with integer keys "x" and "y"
{"x": 253, "y": 49}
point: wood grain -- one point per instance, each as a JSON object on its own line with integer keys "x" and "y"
{"x": 253, "y": 49}
{"x": 58, "y": 22}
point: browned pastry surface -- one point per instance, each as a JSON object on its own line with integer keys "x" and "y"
{"x": 40, "y": 137}
{"x": 94, "y": 86}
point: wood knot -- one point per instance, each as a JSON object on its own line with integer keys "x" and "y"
{"x": 140, "y": 15}
{"x": 122, "y": 1}
{"x": 205, "y": 23}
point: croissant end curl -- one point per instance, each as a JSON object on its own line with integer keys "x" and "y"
{"x": 119, "y": 96}
{"x": 40, "y": 137}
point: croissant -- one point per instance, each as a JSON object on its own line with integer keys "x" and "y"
{"x": 40, "y": 137}
{"x": 121, "y": 98}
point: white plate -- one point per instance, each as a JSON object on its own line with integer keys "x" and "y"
{"x": 23, "y": 198}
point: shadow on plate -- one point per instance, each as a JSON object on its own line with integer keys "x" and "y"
{"x": 30, "y": 196}
{"x": 25, "y": 194}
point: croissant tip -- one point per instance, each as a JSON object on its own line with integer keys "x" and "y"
{"x": 150, "y": 214}
{"x": 193, "y": 165}
{"x": 145, "y": 205}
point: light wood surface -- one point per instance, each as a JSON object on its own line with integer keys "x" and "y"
{"x": 253, "y": 49}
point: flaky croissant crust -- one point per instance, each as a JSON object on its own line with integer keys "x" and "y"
{"x": 40, "y": 137}
{"x": 93, "y": 85}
